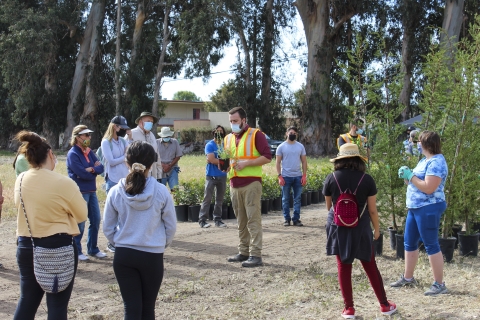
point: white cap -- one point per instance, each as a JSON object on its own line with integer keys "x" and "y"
{"x": 84, "y": 131}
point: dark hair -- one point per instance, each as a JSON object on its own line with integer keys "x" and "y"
{"x": 16, "y": 156}
{"x": 431, "y": 141}
{"x": 34, "y": 147}
{"x": 240, "y": 110}
{"x": 143, "y": 153}
{"x": 352, "y": 163}
{"x": 292, "y": 128}
{"x": 214, "y": 131}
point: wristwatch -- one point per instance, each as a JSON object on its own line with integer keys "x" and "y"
{"x": 279, "y": 174}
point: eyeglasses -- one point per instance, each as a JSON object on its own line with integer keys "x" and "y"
{"x": 87, "y": 134}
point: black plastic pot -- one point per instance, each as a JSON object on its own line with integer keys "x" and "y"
{"x": 455, "y": 230}
{"x": 378, "y": 245}
{"x": 304, "y": 199}
{"x": 182, "y": 212}
{"x": 231, "y": 213}
{"x": 468, "y": 244}
{"x": 270, "y": 204}
{"x": 393, "y": 241}
{"x": 476, "y": 228}
{"x": 194, "y": 212}
{"x": 277, "y": 204}
{"x": 224, "y": 164}
{"x": 225, "y": 211}
{"x": 400, "y": 247}
{"x": 321, "y": 196}
{"x": 315, "y": 197}
{"x": 264, "y": 207}
{"x": 447, "y": 246}
{"x": 309, "y": 197}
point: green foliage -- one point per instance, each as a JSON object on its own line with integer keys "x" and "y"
{"x": 316, "y": 176}
{"x": 197, "y": 134}
{"x": 225, "y": 98}
{"x": 186, "y": 95}
{"x": 270, "y": 187}
{"x": 451, "y": 103}
{"x": 192, "y": 192}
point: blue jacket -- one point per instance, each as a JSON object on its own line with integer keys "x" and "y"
{"x": 76, "y": 164}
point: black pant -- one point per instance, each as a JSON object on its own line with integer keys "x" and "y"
{"x": 31, "y": 293}
{"x": 139, "y": 275}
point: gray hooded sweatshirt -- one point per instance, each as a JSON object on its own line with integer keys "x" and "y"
{"x": 145, "y": 222}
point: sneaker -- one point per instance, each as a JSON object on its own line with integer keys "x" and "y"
{"x": 252, "y": 262}
{"x": 99, "y": 255}
{"x": 402, "y": 282}
{"x": 220, "y": 224}
{"x": 82, "y": 257}
{"x": 298, "y": 223}
{"x": 237, "y": 258}
{"x": 389, "y": 309}
{"x": 110, "y": 247}
{"x": 436, "y": 288}
{"x": 348, "y": 313}
{"x": 204, "y": 224}
{"x": 286, "y": 223}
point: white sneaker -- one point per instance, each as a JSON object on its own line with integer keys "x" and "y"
{"x": 82, "y": 257}
{"x": 100, "y": 254}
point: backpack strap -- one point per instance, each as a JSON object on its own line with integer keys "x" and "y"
{"x": 355, "y": 192}
{"x": 338, "y": 184}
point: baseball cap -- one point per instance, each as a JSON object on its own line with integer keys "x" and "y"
{"x": 121, "y": 121}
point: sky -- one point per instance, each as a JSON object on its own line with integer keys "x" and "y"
{"x": 292, "y": 70}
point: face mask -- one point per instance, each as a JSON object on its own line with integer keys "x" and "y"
{"x": 235, "y": 127}
{"x": 359, "y": 131}
{"x": 121, "y": 133}
{"x": 166, "y": 139}
{"x": 86, "y": 143}
{"x": 292, "y": 137}
{"x": 148, "y": 126}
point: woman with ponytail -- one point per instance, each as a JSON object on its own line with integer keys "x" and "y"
{"x": 140, "y": 221}
{"x": 54, "y": 208}
{"x": 83, "y": 167}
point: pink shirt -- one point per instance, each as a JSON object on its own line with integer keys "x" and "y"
{"x": 262, "y": 146}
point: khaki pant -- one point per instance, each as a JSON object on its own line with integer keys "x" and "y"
{"x": 246, "y": 205}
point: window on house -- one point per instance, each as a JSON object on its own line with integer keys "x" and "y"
{"x": 196, "y": 114}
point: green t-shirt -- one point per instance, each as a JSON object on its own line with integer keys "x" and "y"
{"x": 21, "y": 164}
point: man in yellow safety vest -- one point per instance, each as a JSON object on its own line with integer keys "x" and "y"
{"x": 354, "y": 136}
{"x": 249, "y": 151}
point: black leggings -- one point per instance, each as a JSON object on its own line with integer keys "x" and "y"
{"x": 31, "y": 293}
{"x": 139, "y": 276}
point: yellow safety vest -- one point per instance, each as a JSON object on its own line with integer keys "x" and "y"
{"x": 245, "y": 150}
{"x": 349, "y": 139}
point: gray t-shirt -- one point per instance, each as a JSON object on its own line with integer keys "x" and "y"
{"x": 291, "y": 161}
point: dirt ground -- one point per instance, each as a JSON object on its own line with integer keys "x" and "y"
{"x": 298, "y": 281}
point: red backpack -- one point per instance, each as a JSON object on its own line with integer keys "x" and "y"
{"x": 346, "y": 208}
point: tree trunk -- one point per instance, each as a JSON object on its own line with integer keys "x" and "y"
{"x": 90, "y": 106}
{"x": 315, "y": 111}
{"x": 79, "y": 77}
{"x": 161, "y": 64}
{"x": 267, "y": 66}
{"x": 117, "y": 59}
{"x": 452, "y": 23}
{"x": 251, "y": 112}
{"x": 51, "y": 91}
{"x": 137, "y": 35}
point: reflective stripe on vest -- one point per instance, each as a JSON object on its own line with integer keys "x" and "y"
{"x": 246, "y": 150}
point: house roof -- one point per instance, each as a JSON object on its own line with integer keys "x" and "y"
{"x": 412, "y": 121}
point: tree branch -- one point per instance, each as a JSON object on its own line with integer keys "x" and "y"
{"x": 339, "y": 24}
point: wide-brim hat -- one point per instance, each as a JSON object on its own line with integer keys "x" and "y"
{"x": 166, "y": 132}
{"x": 349, "y": 150}
{"x": 146, "y": 114}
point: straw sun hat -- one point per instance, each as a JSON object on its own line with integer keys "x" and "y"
{"x": 348, "y": 150}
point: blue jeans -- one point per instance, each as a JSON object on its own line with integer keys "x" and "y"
{"x": 172, "y": 178}
{"x": 294, "y": 183}
{"x": 422, "y": 223}
{"x": 94, "y": 219}
{"x": 109, "y": 184}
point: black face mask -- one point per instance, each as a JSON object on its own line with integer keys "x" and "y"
{"x": 121, "y": 133}
{"x": 292, "y": 137}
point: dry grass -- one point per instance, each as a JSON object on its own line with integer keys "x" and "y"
{"x": 298, "y": 281}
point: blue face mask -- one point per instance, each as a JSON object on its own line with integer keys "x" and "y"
{"x": 359, "y": 131}
{"x": 166, "y": 139}
{"x": 148, "y": 126}
{"x": 235, "y": 128}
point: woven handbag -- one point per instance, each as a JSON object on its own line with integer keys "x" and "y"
{"x": 54, "y": 268}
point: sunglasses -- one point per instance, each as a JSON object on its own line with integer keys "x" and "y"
{"x": 86, "y": 134}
